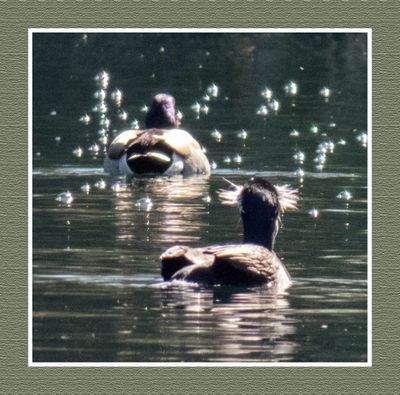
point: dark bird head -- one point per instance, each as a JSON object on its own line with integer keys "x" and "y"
{"x": 162, "y": 113}
{"x": 261, "y": 205}
{"x": 260, "y": 211}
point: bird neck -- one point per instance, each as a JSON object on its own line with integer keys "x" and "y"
{"x": 260, "y": 215}
{"x": 261, "y": 232}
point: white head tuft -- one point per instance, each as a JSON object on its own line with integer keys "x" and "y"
{"x": 288, "y": 197}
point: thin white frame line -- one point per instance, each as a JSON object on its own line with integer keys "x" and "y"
{"x": 368, "y": 31}
{"x": 201, "y": 364}
{"x": 200, "y": 30}
{"x": 30, "y": 219}
{"x": 369, "y": 205}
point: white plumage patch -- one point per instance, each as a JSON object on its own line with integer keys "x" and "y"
{"x": 288, "y": 197}
{"x": 152, "y": 154}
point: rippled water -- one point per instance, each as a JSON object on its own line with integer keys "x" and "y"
{"x": 97, "y": 291}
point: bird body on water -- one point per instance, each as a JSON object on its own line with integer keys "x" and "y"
{"x": 252, "y": 263}
{"x": 161, "y": 148}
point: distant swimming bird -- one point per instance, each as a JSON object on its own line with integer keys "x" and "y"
{"x": 251, "y": 263}
{"x": 161, "y": 148}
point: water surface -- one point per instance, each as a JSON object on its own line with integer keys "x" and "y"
{"x": 97, "y": 291}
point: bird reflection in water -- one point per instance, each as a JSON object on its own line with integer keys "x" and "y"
{"x": 227, "y": 324}
{"x": 176, "y": 213}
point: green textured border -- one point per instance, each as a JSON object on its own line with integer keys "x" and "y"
{"x": 15, "y": 19}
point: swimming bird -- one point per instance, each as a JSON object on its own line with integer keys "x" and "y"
{"x": 161, "y": 148}
{"x": 252, "y": 263}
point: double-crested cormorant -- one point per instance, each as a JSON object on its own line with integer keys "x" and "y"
{"x": 247, "y": 264}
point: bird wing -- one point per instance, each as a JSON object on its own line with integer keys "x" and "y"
{"x": 180, "y": 141}
{"x": 174, "y": 252}
{"x": 193, "y": 256}
{"x": 226, "y": 264}
{"x": 122, "y": 142}
{"x": 177, "y": 139}
{"x": 251, "y": 260}
{"x": 185, "y": 263}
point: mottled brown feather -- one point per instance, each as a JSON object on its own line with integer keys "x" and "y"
{"x": 232, "y": 263}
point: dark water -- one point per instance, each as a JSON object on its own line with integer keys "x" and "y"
{"x": 97, "y": 290}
